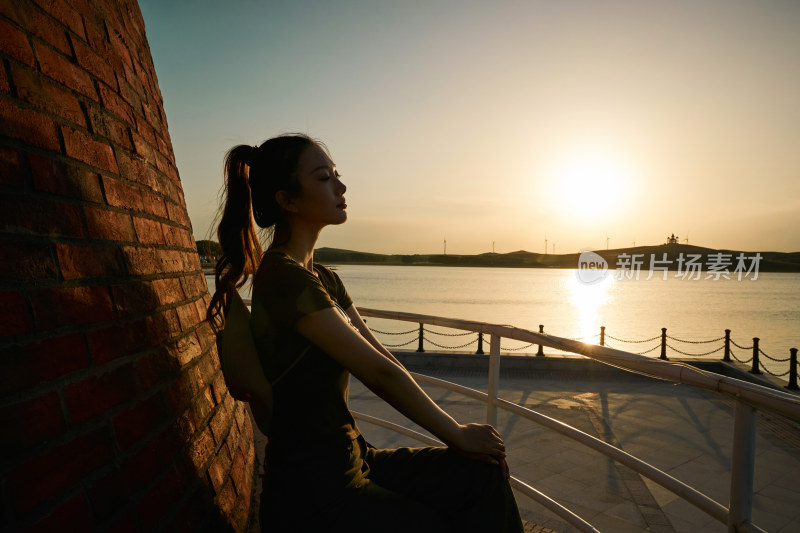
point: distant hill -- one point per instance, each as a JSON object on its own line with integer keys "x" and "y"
{"x": 769, "y": 262}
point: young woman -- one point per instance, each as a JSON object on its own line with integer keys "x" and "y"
{"x": 320, "y": 472}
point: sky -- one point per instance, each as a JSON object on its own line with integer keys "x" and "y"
{"x": 502, "y": 125}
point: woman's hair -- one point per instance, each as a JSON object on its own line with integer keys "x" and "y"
{"x": 253, "y": 175}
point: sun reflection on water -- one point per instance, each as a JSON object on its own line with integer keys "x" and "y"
{"x": 588, "y": 299}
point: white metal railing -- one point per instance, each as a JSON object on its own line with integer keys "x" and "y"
{"x": 748, "y": 398}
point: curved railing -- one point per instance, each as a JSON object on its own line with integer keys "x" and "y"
{"x": 748, "y": 398}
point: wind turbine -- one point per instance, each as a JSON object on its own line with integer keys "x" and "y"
{"x": 545, "y": 246}
{"x": 607, "y": 239}
{"x": 686, "y": 240}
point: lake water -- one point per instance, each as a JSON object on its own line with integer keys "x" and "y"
{"x": 695, "y": 310}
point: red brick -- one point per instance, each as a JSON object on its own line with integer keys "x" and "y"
{"x": 201, "y": 449}
{"x": 63, "y": 71}
{"x": 5, "y": 87}
{"x": 94, "y": 63}
{"x": 164, "y": 325}
{"x": 103, "y": 123}
{"x": 226, "y": 499}
{"x": 112, "y": 225}
{"x": 87, "y": 261}
{"x": 117, "y": 105}
{"x": 64, "y": 13}
{"x": 188, "y": 316}
{"x": 169, "y": 290}
{"x": 108, "y": 495}
{"x": 15, "y": 43}
{"x": 148, "y": 231}
{"x": 136, "y": 423}
{"x": 83, "y": 148}
{"x": 134, "y": 298}
{"x": 151, "y": 460}
{"x": 194, "y": 285}
{"x": 122, "y": 195}
{"x": 180, "y": 391}
{"x": 186, "y": 349}
{"x": 155, "y": 367}
{"x": 144, "y": 261}
{"x": 219, "y": 468}
{"x": 177, "y": 214}
{"x": 12, "y": 167}
{"x": 119, "y": 47}
{"x": 165, "y": 165}
{"x": 135, "y": 170}
{"x": 119, "y": 340}
{"x": 14, "y": 318}
{"x": 157, "y": 503}
{"x": 44, "y": 477}
{"x": 146, "y": 130}
{"x": 97, "y": 394}
{"x": 37, "y": 91}
{"x": 220, "y": 425}
{"x": 28, "y": 126}
{"x": 27, "y": 260}
{"x": 48, "y": 30}
{"x": 65, "y": 179}
{"x": 24, "y": 213}
{"x": 239, "y": 471}
{"x": 41, "y": 362}
{"x": 33, "y": 420}
{"x": 74, "y": 515}
{"x": 143, "y": 148}
{"x": 153, "y": 205}
{"x": 177, "y": 237}
{"x": 54, "y": 308}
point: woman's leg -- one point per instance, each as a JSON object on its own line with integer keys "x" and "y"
{"x": 475, "y": 496}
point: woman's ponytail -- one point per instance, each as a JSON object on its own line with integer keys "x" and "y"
{"x": 241, "y": 250}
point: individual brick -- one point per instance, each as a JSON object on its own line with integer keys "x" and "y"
{"x": 53, "y": 308}
{"x": 148, "y": 231}
{"x": 96, "y": 394}
{"x": 27, "y": 214}
{"x": 36, "y": 419}
{"x": 134, "y": 424}
{"x": 87, "y": 261}
{"x": 84, "y": 148}
{"x": 15, "y": 43}
{"x": 28, "y": 126}
{"x": 65, "y": 72}
{"x": 12, "y": 166}
{"x": 27, "y": 260}
{"x": 35, "y": 89}
{"x": 41, "y": 362}
{"x": 65, "y": 179}
{"x": 95, "y": 64}
{"x": 47, "y": 475}
{"x": 107, "y": 224}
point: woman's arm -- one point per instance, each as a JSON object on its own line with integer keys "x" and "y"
{"x": 389, "y": 380}
{"x": 362, "y": 328}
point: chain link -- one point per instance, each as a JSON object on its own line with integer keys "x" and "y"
{"x": 516, "y": 349}
{"x": 399, "y": 345}
{"x": 695, "y": 354}
{"x": 739, "y": 360}
{"x": 772, "y": 358}
{"x": 696, "y": 342}
{"x": 741, "y": 347}
{"x": 657, "y": 346}
{"x": 772, "y": 373}
{"x": 449, "y": 347}
{"x": 449, "y": 334}
{"x": 632, "y": 342}
{"x": 394, "y": 332}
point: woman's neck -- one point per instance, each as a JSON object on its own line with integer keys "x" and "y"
{"x": 300, "y": 246}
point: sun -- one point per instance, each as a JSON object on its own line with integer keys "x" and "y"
{"x": 590, "y": 184}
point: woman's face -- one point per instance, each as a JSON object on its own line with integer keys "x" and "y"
{"x": 321, "y": 200}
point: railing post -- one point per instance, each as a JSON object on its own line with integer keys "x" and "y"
{"x": 479, "y": 351}
{"x": 663, "y": 343}
{"x": 602, "y": 335}
{"x": 755, "y": 369}
{"x": 494, "y": 378}
{"x": 419, "y": 347}
{"x": 541, "y": 348}
{"x": 742, "y": 461}
{"x": 792, "y": 370}
{"x": 727, "y": 356}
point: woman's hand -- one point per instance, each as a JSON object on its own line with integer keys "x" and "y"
{"x": 481, "y": 442}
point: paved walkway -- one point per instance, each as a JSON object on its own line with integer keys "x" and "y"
{"x": 684, "y": 431}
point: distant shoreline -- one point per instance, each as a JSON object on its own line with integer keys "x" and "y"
{"x": 676, "y": 257}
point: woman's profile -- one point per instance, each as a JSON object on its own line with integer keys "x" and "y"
{"x": 321, "y": 474}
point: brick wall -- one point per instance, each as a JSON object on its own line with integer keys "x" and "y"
{"x": 113, "y": 408}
